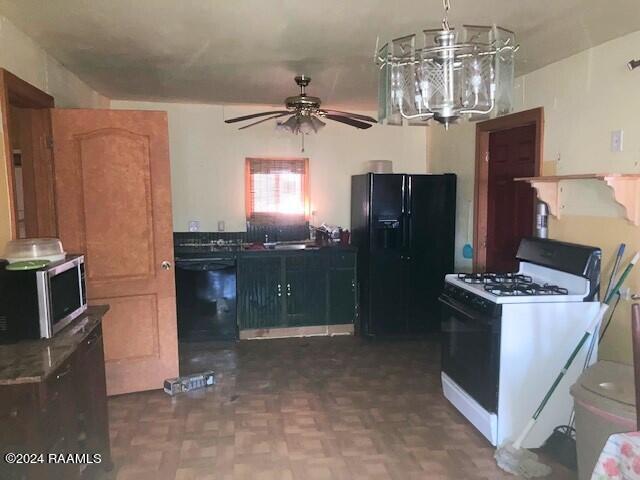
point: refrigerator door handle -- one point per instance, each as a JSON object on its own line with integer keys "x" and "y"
{"x": 409, "y": 228}
{"x": 402, "y": 205}
{"x": 403, "y": 212}
{"x": 409, "y": 197}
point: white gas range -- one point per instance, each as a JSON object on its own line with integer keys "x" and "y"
{"x": 506, "y": 337}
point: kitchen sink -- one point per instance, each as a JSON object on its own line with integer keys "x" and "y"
{"x": 290, "y": 246}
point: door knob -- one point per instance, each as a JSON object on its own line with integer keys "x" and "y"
{"x": 166, "y": 265}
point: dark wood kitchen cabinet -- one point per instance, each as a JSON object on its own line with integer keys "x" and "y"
{"x": 305, "y": 289}
{"x": 297, "y": 288}
{"x": 342, "y": 296}
{"x": 259, "y": 290}
{"x": 53, "y": 403}
{"x": 91, "y": 394}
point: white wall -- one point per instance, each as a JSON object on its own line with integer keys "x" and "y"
{"x": 207, "y": 160}
{"x": 24, "y": 58}
{"x": 584, "y": 97}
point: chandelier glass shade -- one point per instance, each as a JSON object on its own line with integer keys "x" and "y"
{"x": 466, "y": 73}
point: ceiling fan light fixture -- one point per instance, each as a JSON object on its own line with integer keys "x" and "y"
{"x": 317, "y": 124}
{"x": 304, "y": 111}
{"x": 290, "y": 125}
{"x": 456, "y": 74}
{"x": 305, "y": 125}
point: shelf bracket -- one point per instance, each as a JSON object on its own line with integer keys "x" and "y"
{"x": 626, "y": 191}
{"x": 625, "y": 186}
{"x": 548, "y": 193}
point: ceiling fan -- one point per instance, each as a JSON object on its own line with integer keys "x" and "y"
{"x": 305, "y": 114}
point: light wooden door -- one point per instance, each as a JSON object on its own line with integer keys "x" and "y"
{"x": 113, "y": 199}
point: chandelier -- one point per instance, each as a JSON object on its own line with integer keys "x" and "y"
{"x": 465, "y": 73}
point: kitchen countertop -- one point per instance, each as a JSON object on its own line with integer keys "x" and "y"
{"x": 234, "y": 252}
{"x": 32, "y": 361}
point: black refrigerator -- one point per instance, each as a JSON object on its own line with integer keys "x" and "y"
{"x": 404, "y": 229}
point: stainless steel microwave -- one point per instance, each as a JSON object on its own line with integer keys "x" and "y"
{"x": 39, "y": 303}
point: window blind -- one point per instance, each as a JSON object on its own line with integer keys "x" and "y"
{"x": 277, "y": 190}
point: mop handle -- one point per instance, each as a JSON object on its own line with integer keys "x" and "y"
{"x": 570, "y": 360}
{"x": 603, "y": 309}
{"x": 592, "y": 326}
{"x": 532, "y": 421}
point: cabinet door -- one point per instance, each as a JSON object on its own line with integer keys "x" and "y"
{"x": 260, "y": 291}
{"x": 91, "y": 393}
{"x": 59, "y": 419}
{"x": 342, "y": 296}
{"x": 19, "y": 415}
{"x": 305, "y": 290}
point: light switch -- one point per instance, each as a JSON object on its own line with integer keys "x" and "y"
{"x": 194, "y": 226}
{"x": 221, "y": 225}
{"x": 616, "y": 140}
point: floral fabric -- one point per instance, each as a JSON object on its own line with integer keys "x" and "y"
{"x": 620, "y": 458}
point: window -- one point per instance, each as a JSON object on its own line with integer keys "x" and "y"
{"x": 277, "y": 190}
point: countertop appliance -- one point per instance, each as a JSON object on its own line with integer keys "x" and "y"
{"x": 504, "y": 337}
{"x": 403, "y": 227}
{"x": 39, "y": 303}
{"x": 205, "y": 295}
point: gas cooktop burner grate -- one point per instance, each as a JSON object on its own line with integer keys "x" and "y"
{"x": 524, "y": 289}
{"x": 511, "y": 284}
{"x": 502, "y": 278}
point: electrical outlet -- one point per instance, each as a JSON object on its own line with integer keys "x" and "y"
{"x": 194, "y": 226}
{"x": 616, "y": 140}
{"x": 221, "y": 225}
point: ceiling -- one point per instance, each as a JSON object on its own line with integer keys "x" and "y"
{"x": 248, "y": 51}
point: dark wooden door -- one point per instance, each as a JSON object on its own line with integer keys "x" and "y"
{"x": 510, "y": 212}
{"x": 113, "y": 196}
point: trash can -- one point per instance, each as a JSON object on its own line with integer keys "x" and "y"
{"x": 604, "y": 398}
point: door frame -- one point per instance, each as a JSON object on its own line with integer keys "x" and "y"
{"x": 535, "y": 116}
{"x": 15, "y": 91}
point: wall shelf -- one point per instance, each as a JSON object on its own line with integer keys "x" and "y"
{"x": 625, "y": 186}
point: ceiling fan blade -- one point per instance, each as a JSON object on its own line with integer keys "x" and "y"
{"x": 265, "y": 120}
{"x": 357, "y": 116}
{"x": 254, "y": 115}
{"x": 348, "y": 121}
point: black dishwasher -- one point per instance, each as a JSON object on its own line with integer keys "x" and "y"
{"x": 206, "y": 299}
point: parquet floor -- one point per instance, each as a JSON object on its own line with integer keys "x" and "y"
{"x": 339, "y": 408}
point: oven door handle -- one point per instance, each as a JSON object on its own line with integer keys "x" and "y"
{"x": 467, "y": 312}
